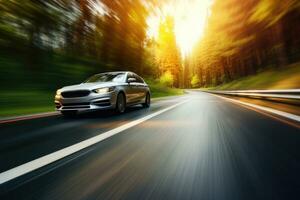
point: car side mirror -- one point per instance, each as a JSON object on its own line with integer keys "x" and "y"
{"x": 131, "y": 80}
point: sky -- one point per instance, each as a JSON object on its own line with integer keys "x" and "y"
{"x": 189, "y": 19}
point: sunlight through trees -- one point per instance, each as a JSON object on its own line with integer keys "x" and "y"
{"x": 244, "y": 37}
{"x": 199, "y": 42}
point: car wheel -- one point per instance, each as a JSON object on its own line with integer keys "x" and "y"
{"x": 147, "y": 101}
{"x": 121, "y": 103}
{"x": 69, "y": 113}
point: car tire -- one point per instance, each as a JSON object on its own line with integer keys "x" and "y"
{"x": 147, "y": 101}
{"x": 120, "y": 103}
{"x": 69, "y": 113}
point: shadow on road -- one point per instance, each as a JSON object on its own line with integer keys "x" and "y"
{"x": 105, "y": 113}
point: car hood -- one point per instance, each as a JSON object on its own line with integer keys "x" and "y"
{"x": 89, "y": 86}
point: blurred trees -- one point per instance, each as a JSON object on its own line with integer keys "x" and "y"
{"x": 103, "y": 34}
{"x": 167, "y": 51}
{"x": 167, "y": 79}
{"x": 125, "y": 30}
{"x": 53, "y": 42}
{"x": 195, "y": 81}
{"x": 243, "y": 37}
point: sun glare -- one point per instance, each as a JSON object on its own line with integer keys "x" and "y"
{"x": 189, "y": 19}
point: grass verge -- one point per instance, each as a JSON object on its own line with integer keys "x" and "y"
{"x": 159, "y": 90}
{"x": 280, "y": 78}
{"x": 14, "y": 103}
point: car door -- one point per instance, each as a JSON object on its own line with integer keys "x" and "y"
{"x": 132, "y": 92}
{"x": 141, "y": 87}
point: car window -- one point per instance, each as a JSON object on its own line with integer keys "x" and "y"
{"x": 107, "y": 77}
{"x": 119, "y": 78}
{"x": 139, "y": 79}
{"x": 130, "y": 75}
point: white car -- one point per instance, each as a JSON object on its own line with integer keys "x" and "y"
{"x": 111, "y": 90}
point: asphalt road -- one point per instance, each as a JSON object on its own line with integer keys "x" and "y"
{"x": 206, "y": 148}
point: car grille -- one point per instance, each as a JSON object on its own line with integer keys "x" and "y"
{"x": 75, "y": 105}
{"x": 77, "y": 93}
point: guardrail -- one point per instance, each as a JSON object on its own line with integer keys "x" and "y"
{"x": 292, "y": 94}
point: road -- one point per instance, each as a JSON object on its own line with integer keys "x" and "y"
{"x": 204, "y": 148}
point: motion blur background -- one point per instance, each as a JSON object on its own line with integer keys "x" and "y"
{"x": 220, "y": 44}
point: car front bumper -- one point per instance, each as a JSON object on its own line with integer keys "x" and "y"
{"x": 91, "y": 102}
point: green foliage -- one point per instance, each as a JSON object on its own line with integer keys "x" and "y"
{"x": 29, "y": 101}
{"x": 167, "y": 54}
{"x": 167, "y": 79}
{"x": 195, "y": 81}
{"x": 57, "y": 71}
{"x": 243, "y": 37}
{"x": 160, "y": 90}
{"x": 114, "y": 37}
{"x": 45, "y": 45}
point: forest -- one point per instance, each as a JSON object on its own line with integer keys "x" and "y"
{"x": 59, "y": 41}
{"x": 48, "y": 44}
{"x": 45, "y": 45}
{"x": 244, "y": 37}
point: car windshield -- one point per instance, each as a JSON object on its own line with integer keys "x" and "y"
{"x": 107, "y": 77}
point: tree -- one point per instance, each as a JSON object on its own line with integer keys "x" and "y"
{"x": 167, "y": 79}
{"x": 195, "y": 81}
{"x": 244, "y": 37}
{"x": 167, "y": 52}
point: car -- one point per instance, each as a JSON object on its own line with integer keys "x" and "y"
{"x": 110, "y": 90}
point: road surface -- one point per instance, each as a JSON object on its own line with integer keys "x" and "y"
{"x": 203, "y": 147}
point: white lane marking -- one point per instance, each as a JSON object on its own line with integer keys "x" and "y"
{"x": 57, "y": 155}
{"x": 282, "y": 96}
{"x": 270, "y": 110}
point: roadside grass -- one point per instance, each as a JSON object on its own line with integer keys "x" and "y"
{"x": 21, "y": 102}
{"x": 13, "y": 103}
{"x": 159, "y": 90}
{"x": 281, "y": 78}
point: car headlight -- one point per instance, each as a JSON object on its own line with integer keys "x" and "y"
{"x": 58, "y": 92}
{"x": 104, "y": 90}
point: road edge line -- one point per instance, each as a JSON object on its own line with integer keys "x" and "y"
{"x": 266, "y": 109}
{"x": 7, "y": 120}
